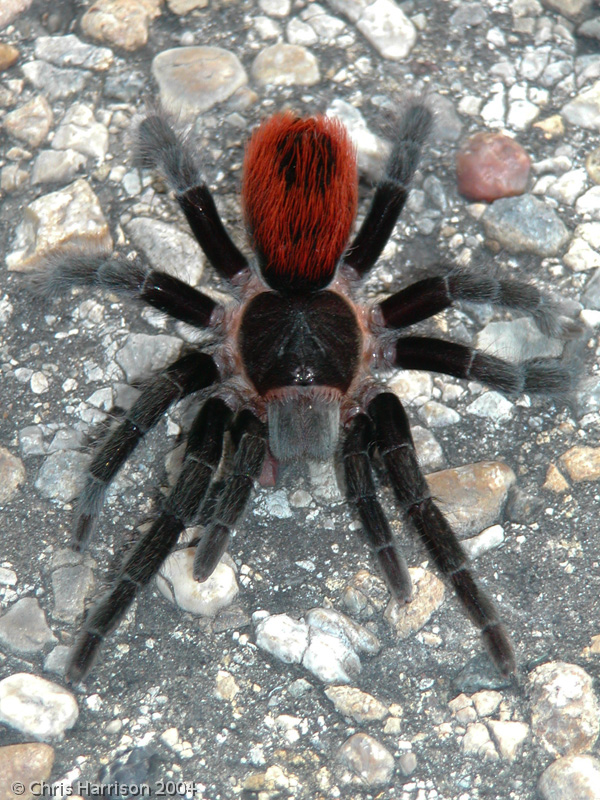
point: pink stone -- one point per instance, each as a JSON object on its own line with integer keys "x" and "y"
{"x": 491, "y": 165}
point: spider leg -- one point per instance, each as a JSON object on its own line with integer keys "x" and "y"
{"x": 249, "y": 436}
{"x": 537, "y": 375}
{"x": 190, "y": 373}
{"x": 392, "y": 190}
{"x": 427, "y": 297}
{"x": 395, "y": 444}
{"x": 360, "y": 489}
{"x": 71, "y": 266}
{"x": 202, "y": 456}
{"x": 160, "y": 147}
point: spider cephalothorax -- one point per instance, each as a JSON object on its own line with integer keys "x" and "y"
{"x": 293, "y": 364}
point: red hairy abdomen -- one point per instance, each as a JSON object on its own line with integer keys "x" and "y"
{"x": 299, "y": 192}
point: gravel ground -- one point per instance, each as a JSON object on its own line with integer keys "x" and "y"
{"x": 209, "y": 701}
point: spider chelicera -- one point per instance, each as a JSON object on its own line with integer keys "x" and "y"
{"x": 293, "y": 364}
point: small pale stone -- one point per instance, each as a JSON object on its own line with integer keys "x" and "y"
{"x": 552, "y": 127}
{"x": 70, "y": 215}
{"x": 167, "y": 248}
{"x": 488, "y": 539}
{"x": 283, "y": 637}
{"x": 8, "y": 56}
{"x": 352, "y": 702}
{"x": 492, "y": 405}
{"x": 508, "y": 736}
{"x": 36, "y": 707}
{"x": 23, "y": 629}
{"x": 592, "y": 165}
{"x": 356, "y": 635}
{"x": 525, "y": 224}
{"x": 70, "y": 51}
{"x": 286, "y": 65}
{"x": 25, "y": 764}
{"x": 565, "y": 713}
{"x": 491, "y": 165}
{"x": 31, "y": 122}
{"x": 39, "y": 383}
{"x": 571, "y": 778}
{"x": 428, "y": 595}
{"x": 367, "y": 759}
{"x": 584, "y": 110}
{"x": 177, "y": 583}
{"x": 589, "y": 203}
{"x": 330, "y": 659}
{"x": 57, "y": 166}
{"x": 12, "y": 474}
{"x": 226, "y": 686}
{"x": 472, "y": 496}
{"x": 122, "y": 23}
{"x": 182, "y": 7}
{"x": 582, "y": 463}
{"x": 476, "y": 740}
{"x": 79, "y": 130}
{"x": 388, "y": 29}
{"x": 61, "y": 475}
{"x": 486, "y": 702}
{"x": 555, "y": 480}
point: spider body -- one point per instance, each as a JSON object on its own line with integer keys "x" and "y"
{"x": 293, "y": 367}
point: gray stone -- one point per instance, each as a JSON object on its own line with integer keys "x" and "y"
{"x": 23, "y": 629}
{"x": 142, "y": 355}
{"x": 61, "y": 475}
{"x": 55, "y": 82}
{"x": 57, "y": 166}
{"x": 591, "y": 296}
{"x": 69, "y": 51}
{"x": 517, "y": 341}
{"x": 584, "y": 110}
{"x": 79, "y": 130}
{"x": 167, "y": 248}
{"x": 525, "y": 224}
{"x": 71, "y": 585}
{"x": 10, "y": 9}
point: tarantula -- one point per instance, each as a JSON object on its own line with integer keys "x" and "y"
{"x": 292, "y": 369}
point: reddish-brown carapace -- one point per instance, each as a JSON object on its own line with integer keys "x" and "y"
{"x": 300, "y": 192}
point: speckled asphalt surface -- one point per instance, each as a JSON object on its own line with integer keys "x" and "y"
{"x": 159, "y": 671}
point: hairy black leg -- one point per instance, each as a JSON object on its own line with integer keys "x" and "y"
{"x": 190, "y": 373}
{"x": 202, "y": 456}
{"x": 160, "y": 147}
{"x": 395, "y": 444}
{"x": 249, "y": 436}
{"x": 543, "y": 375}
{"x": 392, "y": 190}
{"x": 360, "y": 489}
{"x": 427, "y": 297}
{"x": 72, "y": 266}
